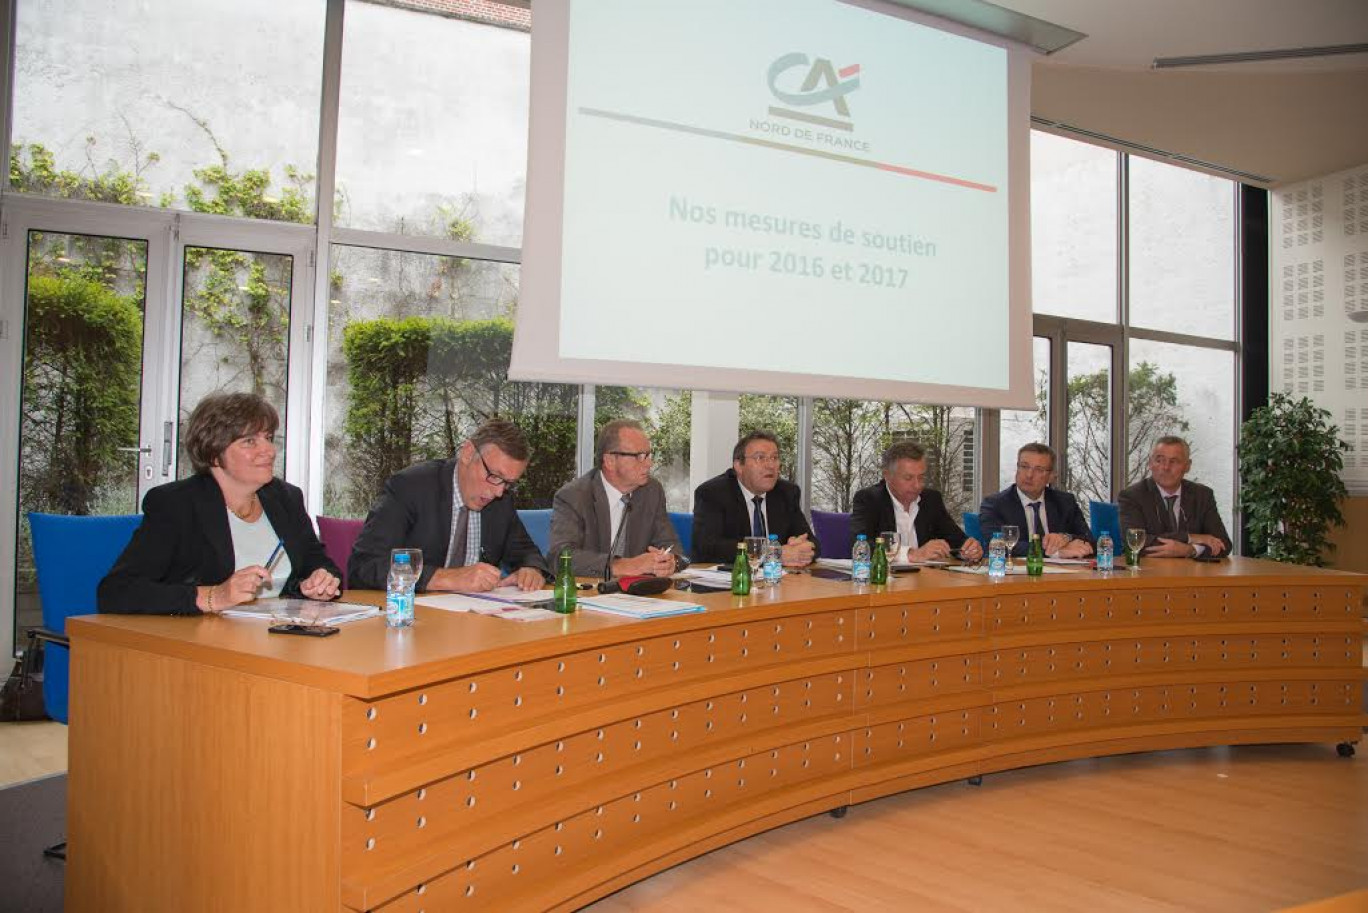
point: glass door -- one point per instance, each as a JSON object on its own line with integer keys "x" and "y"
{"x": 76, "y": 330}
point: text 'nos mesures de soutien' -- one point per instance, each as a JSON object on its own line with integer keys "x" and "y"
{"x": 794, "y": 263}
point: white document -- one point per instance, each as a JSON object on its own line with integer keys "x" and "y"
{"x": 302, "y": 611}
{"x": 637, "y": 606}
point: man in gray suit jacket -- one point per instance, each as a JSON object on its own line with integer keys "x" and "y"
{"x": 1180, "y": 516}
{"x": 613, "y": 518}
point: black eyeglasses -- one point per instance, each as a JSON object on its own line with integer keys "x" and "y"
{"x": 640, "y": 456}
{"x": 493, "y": 478}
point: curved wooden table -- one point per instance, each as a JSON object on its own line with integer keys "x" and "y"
{"x": 477, "y": 763}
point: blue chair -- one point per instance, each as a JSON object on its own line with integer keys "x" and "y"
{"x": 683, "y": 524}
{"x": 538, "y": 523}
{"x": 973, "y": 528}
{"x": 72, "y": 555}
{"x": 832, "y": 529}
{"x": 1105, "y": 515}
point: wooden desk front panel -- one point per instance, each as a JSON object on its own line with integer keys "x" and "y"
{"x": 552, "y": 780}
{"x": 949, "y": 699}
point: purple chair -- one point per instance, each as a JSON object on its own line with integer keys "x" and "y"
{"x": 338, "y": 536}
{"x": 833, "y": 532}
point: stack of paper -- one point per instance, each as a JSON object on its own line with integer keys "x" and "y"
{"x": 302, "y": 611}
{"x": 637, "y": 606}
{"x": 506, "y": 602}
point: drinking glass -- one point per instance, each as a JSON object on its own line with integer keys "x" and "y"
{"x": 891, "y": 544}
{"x": 1135, "y": 540}
{"x": 1011, "y": 535}
{"x": 415, "y": 556}
{"x": 755, "y": 554}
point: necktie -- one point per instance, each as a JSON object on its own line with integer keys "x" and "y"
{"x": 456, "y": 552}
{"x": 1169, "y": 510}
{"x": 621, "y": 537}
{"x": 1037, "y": 527}
{"x": 758, "y": 518}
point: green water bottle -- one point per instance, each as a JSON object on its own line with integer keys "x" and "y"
{"x": 741, "y": 575}
{"x": 1035, "y": 558}
{"x": 878, "y": 567}
{"x": 566, "y": 588}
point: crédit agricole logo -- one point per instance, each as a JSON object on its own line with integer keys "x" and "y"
{"x": 811, "y": 91}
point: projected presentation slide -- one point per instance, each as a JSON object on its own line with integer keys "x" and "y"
{"x": 770, "y": 173}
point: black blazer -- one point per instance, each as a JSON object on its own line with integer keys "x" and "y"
{"x": 1142, "y": 504}
{"x": 872, "y": 513}
{"x": 184, "y": 542}
{"x": 722, "y": 517}
{"x": 1062, "y": 515}
{"x": 414, "y": 511}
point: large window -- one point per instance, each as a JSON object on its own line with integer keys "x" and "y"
{"x": 849, "y": 437}
{"x": 1182, "y": 250}
{"x": 382, "y": 335}
{"x": 1073, "y": 228}
{"x": 199, "y": 106}
{"x": 432, "y": 128}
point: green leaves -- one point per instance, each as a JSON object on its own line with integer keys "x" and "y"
{"x": 1290, "y": 460}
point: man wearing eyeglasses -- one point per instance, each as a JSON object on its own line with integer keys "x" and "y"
{"x": 613, "y": 518}
{"x": 1033, "y": 507}
{"x": 901, "y": 501}
{"x": 460, "y": 513}
{"x": 1180, "y": 517}
{"x": 751, "y": 500}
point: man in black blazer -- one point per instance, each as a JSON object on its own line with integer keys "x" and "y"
{"x": 1180, "y": 517}
{"x": 417, "y": 509}
{"x": 751, "y": 500}
{"x": 1065, "y": 533}
{"x": 924, "y": 526}
{"x": 613, "y": 518}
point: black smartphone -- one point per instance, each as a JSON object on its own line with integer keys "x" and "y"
{"x": 827, "y": 573}
{"x": 1209, "y": 558}
{"x": 303, "y": 630}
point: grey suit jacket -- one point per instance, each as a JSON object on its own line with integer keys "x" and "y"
{"x": 582, "y": 521}
{"x": 1142, "y": 504}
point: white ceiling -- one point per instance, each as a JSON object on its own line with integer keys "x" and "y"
{"x": 1283, "y": 120}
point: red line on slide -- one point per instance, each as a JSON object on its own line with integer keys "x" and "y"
{"x": 930, "y": 176}
{"x": 848, "y": 71}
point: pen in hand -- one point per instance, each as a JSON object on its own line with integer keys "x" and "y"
{"x": 275, "y": 557}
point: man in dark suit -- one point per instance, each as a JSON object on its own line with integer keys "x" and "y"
{"x": 419, "y": 505}
{"x": 1061, "y": 526}
{"x": 902, "y": 502}
{"x": 613, "y": 518}
{"x": 751, "y": 500}
{"x": 1179, "y": 516}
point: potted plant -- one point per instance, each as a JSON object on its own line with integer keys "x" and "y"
{"x": 1290, "y": 462}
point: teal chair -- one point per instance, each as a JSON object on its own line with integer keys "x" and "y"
{"x": 538, "y": 524}
{"x": 973, "y": 528}
{"x": 71, "y": 555}
{"x": 1105, "y": 515}
{"x": 683, "y": 524}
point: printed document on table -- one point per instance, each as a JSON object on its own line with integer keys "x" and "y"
{"x": 637, "y": 606}
{"x": 302, "y": 611}
{"x": 486, "y": 604}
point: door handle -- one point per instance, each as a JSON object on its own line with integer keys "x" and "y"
{"x": 146, "y": 449}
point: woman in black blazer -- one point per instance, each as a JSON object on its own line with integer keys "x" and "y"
{"x": 182, "y": 560}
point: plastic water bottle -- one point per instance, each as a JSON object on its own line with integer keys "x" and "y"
{"x": 1106, "y": 557}
{"x": 997, "y": 556}
{"x": 399, "y": 592}
{"x": 773, "y": 566}
{"x": 859, "y": 559}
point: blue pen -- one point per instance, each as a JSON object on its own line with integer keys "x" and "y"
{"x": 270, "y": 562}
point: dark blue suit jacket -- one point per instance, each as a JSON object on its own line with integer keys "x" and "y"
{"x": 415, "y": 512}
{"x": 1062, "y": 515}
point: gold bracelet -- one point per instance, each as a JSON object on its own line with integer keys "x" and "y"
{"x": 209, "y": 599}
